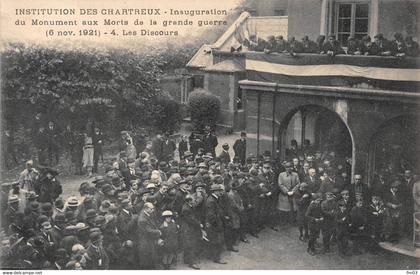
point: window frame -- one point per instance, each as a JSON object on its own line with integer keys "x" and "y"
{"x": 352, "y": 17}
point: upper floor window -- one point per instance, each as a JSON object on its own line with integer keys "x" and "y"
{"x": 352, "y": 19}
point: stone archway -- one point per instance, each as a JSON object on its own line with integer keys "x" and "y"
{"x": 323, "y": 127}
{"x": 395, "y": 146}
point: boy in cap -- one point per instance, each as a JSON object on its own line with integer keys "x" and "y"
{"x": 303, "y": 198}
{"x": 376, "y": 212}
{"x": 169, "y": 244}
{"x": 359, "y": 225}
{"x": 315, "y": 219}
{"x": 328, "y": 207}
{"x": 342, "y": 221}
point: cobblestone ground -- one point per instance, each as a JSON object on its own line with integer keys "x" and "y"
{"x": 273, "y": 250}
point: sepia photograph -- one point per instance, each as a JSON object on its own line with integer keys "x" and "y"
{"x": 210, "y": 135}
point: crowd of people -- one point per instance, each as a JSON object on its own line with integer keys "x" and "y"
{"x": 380, "y": 46}
{"x": 149, "y": 208}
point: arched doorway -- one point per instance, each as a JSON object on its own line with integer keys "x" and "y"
{"x": 324, "y": 129}
{"x": 396, "y": 146}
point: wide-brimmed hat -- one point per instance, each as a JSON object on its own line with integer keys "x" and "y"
{"x": 32, "y": 195}
{"x": 13, "y": 199}
{"x": 73, "y": 202}
{"x": 167, "y": 213}
{"x": 216, "y": 187}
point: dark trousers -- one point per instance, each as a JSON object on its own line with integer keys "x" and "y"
{"x": 287, "y": 217}
{"x": 53, "y": 151}
{"x": 97, "y": 155}
{"x": 191, "y": 251}
{"x": 327, "y": 231}
{"x": 251, "y": 225}
{"x": 230, "y": 237}
{"x": 303, "y": 230}
{"x": 342, "y": 242}
{"x": 313, "y": 235}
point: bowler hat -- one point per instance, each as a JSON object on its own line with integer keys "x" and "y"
{"x": 225, "y": 146}
{"x": 200, "y": 184}
{"x": 38, "y": 242}
{"x": 90, "y": 213}
{"x": 143, "y": 191}
{"x": 46, "y": 207}
{"x": 34, "y": 206}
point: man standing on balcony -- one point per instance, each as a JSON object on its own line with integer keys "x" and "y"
{"x": 331, "y": 47}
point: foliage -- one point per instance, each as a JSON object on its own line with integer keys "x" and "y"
{"x": 97, "y": 83}
{"x": 168, "y": 114}
{"x": 204, "y": 108}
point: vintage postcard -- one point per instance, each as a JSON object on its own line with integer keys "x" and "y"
{"x": 210, "y": 135}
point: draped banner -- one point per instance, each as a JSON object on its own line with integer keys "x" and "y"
{"x": 303, "y": 67}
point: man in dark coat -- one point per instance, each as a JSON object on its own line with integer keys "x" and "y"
{"x": 98, "y": 140}
{"x": 96, "y": 257}
{"x": 157, "y": 146}
{"x": 313, "y": 181}
{"x": 214, "y": 222}
{"x": 342, "y": 221}
{"x": 224, "y": 155}
{"x": 210, "y": 142}
{"x": 168, "y": 148}
{"x": 182, "y": 146}
{"x": 314, "y": 217}
{"x": 239, "y": 147}
{"x": 192, "y": 231}
{"x": 47, "y": 186}
{"x": 360, "y": 189}
{"x": 149, "y": 234}
{"x": 53, "y": 136}
{"x": 328, "y": 207}
{"x": 331, "y": 47}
